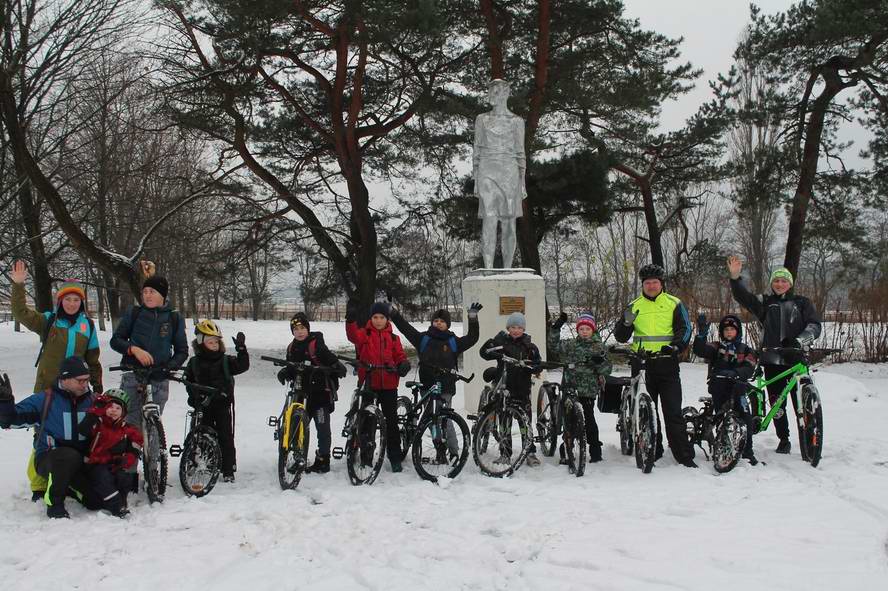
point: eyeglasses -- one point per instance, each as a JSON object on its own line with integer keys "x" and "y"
{"x": 82, "y": 380}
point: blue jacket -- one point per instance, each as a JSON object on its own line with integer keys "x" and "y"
{"x": 64, "y": 414}
{"x": 160, "y": 331}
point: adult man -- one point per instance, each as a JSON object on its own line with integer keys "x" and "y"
{"x": 59, "y": 447}
{"x": 788, "y": 320}
{"x": 661, "y": 327}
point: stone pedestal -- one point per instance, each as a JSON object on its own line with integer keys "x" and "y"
{"x": 501, "y": 292}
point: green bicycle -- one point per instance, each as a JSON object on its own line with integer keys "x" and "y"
{"x": 809, "y": 412}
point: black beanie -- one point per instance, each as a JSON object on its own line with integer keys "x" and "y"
{"x": 299, "y": 319}
{"x": 73, "y": 367}
{"x": 443, "y": 315}
{"x": 158, "y": 284}
{"x": 380, "y": 308}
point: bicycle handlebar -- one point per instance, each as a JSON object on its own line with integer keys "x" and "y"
{"x": 450, "y": 371}
{"x": 572, "y": 365}
{"x": 368, "y": 366}
{"x": 304, "y": 366}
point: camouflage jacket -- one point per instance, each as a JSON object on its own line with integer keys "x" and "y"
{"x": 584, "y": 377}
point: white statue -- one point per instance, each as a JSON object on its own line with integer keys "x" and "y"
{"x": 498, "y": 165}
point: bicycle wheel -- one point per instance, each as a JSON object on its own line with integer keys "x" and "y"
{"x": 406, "y": 428}
{"x": 624, "y": 422}
{"x": 811, "y": 426}
{"x": 200, "y": 462}
{"x": 575, "y": 437}
{"x": 365, "y": 448}
{"x": 154, "y": 460}
{"x": 293, "y": 450}
{"x": 441, "y": 446}
{"x": 547, "y": 429}
{"x": 501, "y": 427}
{"x": 730, "y": 440}
{"x": 646, "y": 434}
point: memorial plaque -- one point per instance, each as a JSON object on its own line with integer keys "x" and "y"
{"x": 509, "y": 304}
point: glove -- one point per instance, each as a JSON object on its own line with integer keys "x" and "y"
{"x": 351, "y": 310}
{"x": 668, "y": 350}
{"x": 403, "y": 368}
{"x": 473, "y": 311}
{"x": 629, "y": 317}
{"x": 805, "y": 338}
{"x": 702, "y": 325}
{"x": 562, "y": 318}
{"x": 341, "y": 370}
{"x": 283, "y": 375}
{"x": 6, "y": 390}
{"x": 240, "y": 342}
{"x": 791, "y": 344}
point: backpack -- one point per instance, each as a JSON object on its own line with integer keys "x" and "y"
{"x": 424, "y": 343}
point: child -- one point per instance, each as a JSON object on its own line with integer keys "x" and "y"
{"x": 376, "y": 344}
{"x": 114, "y": 448}
{"x": 309, "y": 346}
{"x": 513, "y": 342}
{"x": 588, "y": 376}
{"x": 731, "y": 364}
{"x": 150, "y": 335}
{"x": 210, "y": 366}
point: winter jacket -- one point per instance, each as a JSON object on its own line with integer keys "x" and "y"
{"x": 726, "y": 359}
{"x": 321, "y": 386}
{"x": 111, "y": 442}
{"x": 216, "y": 370}
{"x": 62, "y": 418}
{"x": 581, "y": 351}
{"x": 435, "y": 348}
{"x": 517, "y": 378}
{"x": 659, "y": 321}
{"x": 377, "y": 347}
{"x": 159, "y": 331}
{"x": 65, "y": 339}
{"x": 787, "y": 316}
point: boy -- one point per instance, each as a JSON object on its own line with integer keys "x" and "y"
{"x": 211, "y": 367}
{"x": 513, "y": 342}
{"x": 592, "y": 365}
{"x": 376, "y": 344}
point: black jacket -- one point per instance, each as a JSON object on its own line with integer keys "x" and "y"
{"x": 725, "y": 358}
{"x": 437, "y": 351}
{"x": 789, "y": 316}
{"x": 518, "y": 378}
{"x": 321, "y": 386}
{"x": 207, "y": 368}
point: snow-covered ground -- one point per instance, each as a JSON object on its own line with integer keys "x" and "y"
{"x": 782, "y": 525}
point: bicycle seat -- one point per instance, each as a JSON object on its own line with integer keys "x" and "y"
{"x": 413, "y": 384}
{"x": 704, "y": 398}
{"x": 550, "y": 383}
{"x": 618, "y": 380}
{"x": 490, "y": 374}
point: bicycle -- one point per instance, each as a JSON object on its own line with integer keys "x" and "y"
{"x": 201, "y": 453}
{"x": 502, "y": 418}
{"x": 723, "y": 430}
{"x": 559, "y": 412}
{"x": 434, "y": 430}
{"x": 364, "y": 429}
{"x": 637, "y": 414}
{"x": 809, "y": 413}
{"x": 154, "y": 450}
{"x": 291, "y": 426}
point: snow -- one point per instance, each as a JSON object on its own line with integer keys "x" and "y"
{"x": 781, "y": 525}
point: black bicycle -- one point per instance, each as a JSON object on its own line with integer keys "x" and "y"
{"x": 438, "y": 435}
{"x": 291, "y": 426}
{"x": 364, "y": 429}
{"x": 201, "y": 454}
{"x": 722, "y": 430}
{"x": 154, "y": 450}
{"x": 502, "y": 419}
{"x": 561, "y": 413}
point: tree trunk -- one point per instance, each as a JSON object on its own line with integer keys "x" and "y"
{"x": 30, "y": 212}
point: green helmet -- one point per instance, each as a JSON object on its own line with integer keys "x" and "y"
{"x": 119, "y": 396}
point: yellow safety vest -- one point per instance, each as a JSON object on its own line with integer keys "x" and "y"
{"x": 653, "y": 321}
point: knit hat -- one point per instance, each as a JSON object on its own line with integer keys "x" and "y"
{"x": 299, "y": 319}
{"x": 781, "y": 273}
{"x": 516, "y": 319}
{"x": 119, "y": 396}
{"x": 380, "y": 308}
{"x": 73, "y": 367}
{"x": 733, "y": 321}
{"x": 159, "y": 284}
{"x": 70, "y": 286}
{"x": 443, "y": 315}
{"x": 588, "y": 320}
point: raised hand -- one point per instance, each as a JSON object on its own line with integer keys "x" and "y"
{"x": 148, "y": 268}
{"x": 351, "y": 310}
{"x": 6, "y": 390}
{"x": 702, "y": 325}
{"x": 473, "y": 310}
{"x": 240, "y": 342}
{"x": 735, "y": 266}
{"x": 19, "y": 272}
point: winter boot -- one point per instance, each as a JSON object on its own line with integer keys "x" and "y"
{"x": 396, "y": 466}
{"x": 57, "y": 511}
{"x": 37, "y": 495}
{"x": 321, "y": 464}
{"x": 562, "y": 455}
{"x": 595, "y": 453}
{"x": 228, "y": 477}
{"x": 532, "y": 460}
{"x": 784, "y": 447}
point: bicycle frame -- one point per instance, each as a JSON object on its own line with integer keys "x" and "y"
{"x": 800, "y": 374}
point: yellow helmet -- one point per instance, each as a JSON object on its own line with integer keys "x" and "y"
{"x": 207, "y": 328}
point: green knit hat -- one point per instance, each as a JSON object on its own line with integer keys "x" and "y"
{"x": 781, "y": 273}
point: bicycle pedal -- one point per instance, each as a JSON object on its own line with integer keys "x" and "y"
{"x": 273, "y": 421}
{"x": 337, "y": 453}
{"x": 175, "y": 451}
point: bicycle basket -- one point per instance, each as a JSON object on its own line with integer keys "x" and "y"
{"x": 609, "y": 399}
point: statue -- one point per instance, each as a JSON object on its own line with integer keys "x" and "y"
{"x": 498, "y": 165}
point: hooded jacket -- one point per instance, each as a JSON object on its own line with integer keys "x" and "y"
{"x": 377, "y": 347}
{"x": 726, "y": 358}
{"x": 159, "y": 331}
{"x": 62, "y": 419}
{"x": 111, "y": 442}
{"x": 518, "y": 378}
{"x": 321, "y": 386}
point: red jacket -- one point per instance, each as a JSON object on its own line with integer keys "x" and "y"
{"x": 377, "y": 347}
{"x": 110, "y": 440}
